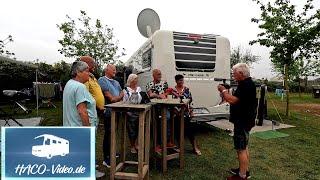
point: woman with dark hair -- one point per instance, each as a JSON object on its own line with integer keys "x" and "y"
{"x": 182, "y": 92}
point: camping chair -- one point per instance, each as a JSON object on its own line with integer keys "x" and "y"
{"x": 7, "y": 117}
{"x": 46, "y": 93}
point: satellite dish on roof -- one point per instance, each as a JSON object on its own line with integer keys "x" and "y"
{"x": 148, "y": 22}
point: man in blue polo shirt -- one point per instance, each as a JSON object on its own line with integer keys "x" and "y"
{"x": 113, "y": 93}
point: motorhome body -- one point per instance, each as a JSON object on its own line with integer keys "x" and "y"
{"x": 51, "y": 146}
{"x": 199, "y": 57}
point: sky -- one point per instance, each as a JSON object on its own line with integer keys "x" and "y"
{"x": 33, "y": 24}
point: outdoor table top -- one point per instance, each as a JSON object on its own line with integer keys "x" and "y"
{"x": 170, "y": 101}
{"x": 127, "y": 105}
{"x": 122, "y": 104}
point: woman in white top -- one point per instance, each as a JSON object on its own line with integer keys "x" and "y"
{"x": 132, "y": 96}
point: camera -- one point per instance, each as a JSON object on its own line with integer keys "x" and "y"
{"x": 227, "y": 86}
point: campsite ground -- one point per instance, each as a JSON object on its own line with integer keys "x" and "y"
{"x": 293, "y": 157}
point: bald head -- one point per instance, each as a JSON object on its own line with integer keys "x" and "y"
{"x": 90, "y": 61}
{"x": 156, "y": 73}
{"x": 110, "y": 71}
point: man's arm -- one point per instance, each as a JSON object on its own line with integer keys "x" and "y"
{"x": 228, "y": 97}
{"x": 152, "y": 95}
{"x": 105, "y": 89}
{"x": 149, "y": 91}
{"x": 113, "y": 99}
{"x": 82, "y": 110}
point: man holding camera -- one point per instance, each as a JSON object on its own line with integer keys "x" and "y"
{"x": 243, "y": 104}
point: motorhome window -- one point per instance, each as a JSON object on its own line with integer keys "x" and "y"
{"x": 194, "y": 56}
{"x": 59, "y": 142}
{"x": 194, "y": 50}
{"x": 185, "y": 38}
{"x": 47, "y": 142}
{"x": 146, "y": 59}
{"x": 38, "y": 141}
{"x": 195, "y": 66}
{"x": 191, "y": 44}
{"x": 54, "y": 141}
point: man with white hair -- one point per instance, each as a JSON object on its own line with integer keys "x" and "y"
{"x": 113, "y": 93}
{"x": 243, "y": 104}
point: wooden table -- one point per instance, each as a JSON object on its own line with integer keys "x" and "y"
{"x": 144, "y": 111}
{"x": 164, "y": 104}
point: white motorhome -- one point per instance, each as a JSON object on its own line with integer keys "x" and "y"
{"x": 201, "y": 58}
{"x": 51, "y": 146}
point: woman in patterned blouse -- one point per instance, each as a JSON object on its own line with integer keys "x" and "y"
{"x": 182, "y": 92}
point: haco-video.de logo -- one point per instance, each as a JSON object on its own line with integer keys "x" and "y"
{"x": 59, "y": 152}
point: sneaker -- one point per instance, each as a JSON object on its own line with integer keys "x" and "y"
{"x": 236, "y": 172}
{"x": 236, "y": 177}
{"x": 99, "y": 174}
{"x": 106, "y": 163}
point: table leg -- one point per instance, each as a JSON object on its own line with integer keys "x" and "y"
{"x": 141, "y": 144}
{"x": 164, "y": 138}
{"x": 147, "y": 142}
{"x": 113, "y": 145}
{"x": 181, "y": 154}
{"x": 155, "y": 130}
{"x": 172, "y": 126}
{"x": 124, "y": 135}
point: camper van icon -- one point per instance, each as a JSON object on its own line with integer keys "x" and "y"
{"x": 51, "y": 146}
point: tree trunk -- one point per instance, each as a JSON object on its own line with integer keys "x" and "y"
{"x": 299, "y": 80}
{"x": 286, "y": 86}
{"x": 306, "y": 84}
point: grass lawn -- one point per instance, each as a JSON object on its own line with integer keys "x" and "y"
{"x": 293, "y": 157}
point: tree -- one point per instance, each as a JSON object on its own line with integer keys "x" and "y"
{"x": 58, "y": 72}
{"x": 291, "y": 35}
{"x": 3, "y": 50}
{"x": 17, "y": 74}
{"x": 238, "y": 56}
{"x": 304, "y": 69}
{"x": 62, "y": 72}
{"x": 82, "y": 38}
